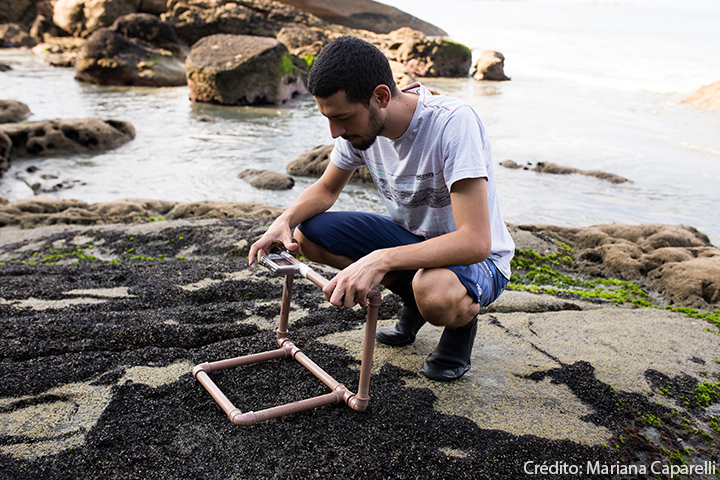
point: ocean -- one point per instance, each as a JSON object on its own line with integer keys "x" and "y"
{"x": 596, "y": 85}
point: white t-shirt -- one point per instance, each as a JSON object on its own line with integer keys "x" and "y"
{"x": 445, "y": 142}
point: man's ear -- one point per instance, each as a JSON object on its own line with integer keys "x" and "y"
{"x": 382, "y": 95}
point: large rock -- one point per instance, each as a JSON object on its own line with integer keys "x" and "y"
{"x": 195, "y": 19}
{"x": 59, "y": 51}
{"x": 314, "y": 162}
{"x": 5, "y": 147}
{"x": 53, "y": 137}
{"x": 707, "y": 97}
{"x": 150, "y": 31}
{"x": 243, "y": 70}
{"x": 676, "y": 260}
{"x": 20, "y": 11}
{"x": 109, "y": 58}
{"x": 364, "y": 14}
{"x": 305, "y": 42}
{"x": 15, "y": 35}
{"x": 267, "y": 179}
{"x": 490, "y": 66}
{"x": 433, "y": 57}
{"x": 83, "y": 17}
{"x": 13, "y": 111}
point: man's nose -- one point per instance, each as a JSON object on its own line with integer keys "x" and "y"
{"x": 335, "y": 129}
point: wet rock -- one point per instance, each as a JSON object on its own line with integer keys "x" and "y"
{"x": 195, "y": 19}
{"x": 59, "y": 51}
{"x": 305, "y": 42}
{"x": 83, "y": 17}
{"x": 15, "y": 35}
{"x": 19, "y": 11}
{"x": 433, "y": 57}
{"x": 243, "y": 70}
{"x": 676, "y": 260}
{"x": 490, "y": 66}
{"x": 364, "y": 14}
{"x": 150, "y": 31}
{"x": 4, "y": 67}
{"x": 707, "y": 97}
{"x": 109, "y": 58}
{"x": 13, "y": 111}
{"x": 267, "y": 179}
{"x": 42, "y": 211}
{"x": 555, "y": 169}
{"x": 314, "y": 162}
{"x": 5, "y": 147}
{"x": 53, "y": 137}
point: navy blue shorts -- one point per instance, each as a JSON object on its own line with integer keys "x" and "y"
{"x": 356, "y": 234}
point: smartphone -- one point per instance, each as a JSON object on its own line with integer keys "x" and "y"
{"x": 280, "y": 263}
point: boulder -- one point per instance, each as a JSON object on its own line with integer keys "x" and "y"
{"x": 150, "y": 31}
{"x": 59, "y": 51}
{"x": 4, "y": 67}
{"x": 195, "y": 19}
{"x": 54, "y": 137}
{"x": 305, "y": 42}
{"x": 314, "y": 162}
{"x": 83, "y": 17}
{"x": 20, "y": 11}
{"x": 243, "y": 70}
{"x": 432, "y": 57}
{"x": 364, "y": 14}
{"x": 490, "y": 66}
{"x": 555, "y": 169}
{"x": 14, "y": 35}
{"x": 13, "y": 111}
{"x": 109, "y": 58}
{"x": 267, "y": 179}
{"x": 5, "y": 147}
{"x": 707, "y": 97}
{"x": 676, "y": 260}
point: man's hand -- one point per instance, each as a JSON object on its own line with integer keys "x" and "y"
{"x": 277, "y": 235}
{"x": 353, "y": 284}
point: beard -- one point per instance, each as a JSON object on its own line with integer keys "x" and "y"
{"x": 377, "y": 126}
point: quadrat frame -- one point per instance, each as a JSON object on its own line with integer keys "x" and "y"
{"x": 357, "y": 402}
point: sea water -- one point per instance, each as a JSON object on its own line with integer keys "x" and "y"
{"x": 596, "y": 85}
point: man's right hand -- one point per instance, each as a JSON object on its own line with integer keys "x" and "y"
{"x": 277, "y": 235}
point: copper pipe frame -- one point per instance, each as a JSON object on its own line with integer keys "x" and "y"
{"x": 357, "y": 402}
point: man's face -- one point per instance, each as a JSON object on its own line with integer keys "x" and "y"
{"x": 356, "y": 123}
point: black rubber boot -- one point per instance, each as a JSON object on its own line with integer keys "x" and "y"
{"x": 451, "y": 358}
{"x": 410, "y": 321}
{"x": 404, "y": 331}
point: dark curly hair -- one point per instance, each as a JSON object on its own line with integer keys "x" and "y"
{"x": 352, "y": 65}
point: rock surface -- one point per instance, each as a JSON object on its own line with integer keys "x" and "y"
{"x": 136, "y": 50}
{"x": 15, "y": 35}
{"x": 243, "y": 70}
{"x": 365, "y": 15}
{"x": 267, "y": 179}
{"x": 13, "y": 111}
{"x": 677, "y": 261}
{"x": 433, "y": 57}
{"x": 103, "y": 325}
{"x": 555, "y": 169}
{"x": 490, "y": 66}
{"x": 59, "y": 51}
{"x": 42, "y": 211}
{"x": 83, "y": 17}
{"x": 314, "y": 162}
{"x": 707, "y": 97}
{"x": 52, "y": 137}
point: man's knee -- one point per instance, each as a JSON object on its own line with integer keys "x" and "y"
{"x": 440, "y": 296}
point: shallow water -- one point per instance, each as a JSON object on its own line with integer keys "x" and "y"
{"x": 594, "y": 86}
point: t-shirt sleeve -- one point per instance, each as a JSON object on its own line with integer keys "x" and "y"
{"x": 466, "y": 149}
{"x": 344, "y": 156}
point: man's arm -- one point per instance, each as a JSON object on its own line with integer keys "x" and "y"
{"x": 469, "y": 243}
{"x": 313, "y": 200}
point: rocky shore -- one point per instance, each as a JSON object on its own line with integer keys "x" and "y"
{"x": 105, "y": 315}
